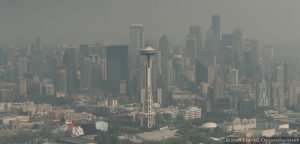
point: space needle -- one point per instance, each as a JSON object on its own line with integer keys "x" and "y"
{"x": 150, "y": 115}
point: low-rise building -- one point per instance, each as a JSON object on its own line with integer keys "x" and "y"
{"x": 5, "y": 120}
{"x": 192, "y": 113}
{"x": 268, "y": 132}
{"x": 238, "y": 124}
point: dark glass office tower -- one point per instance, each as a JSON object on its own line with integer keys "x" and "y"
{"x": 117, "y": 68}
{"x": 69, "y": 62}
{"x": 215, "y": 25}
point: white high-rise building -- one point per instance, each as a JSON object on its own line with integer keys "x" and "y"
{"x": 279, "y": 74}
{"x": 233, "y": 76}
{"x": 277, "y": 94}
{"x": 262, "y": 94}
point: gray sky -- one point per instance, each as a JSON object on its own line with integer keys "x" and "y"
{"x": 87, "y": 21}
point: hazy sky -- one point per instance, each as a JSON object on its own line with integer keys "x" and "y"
{"x": 87, "y": 21}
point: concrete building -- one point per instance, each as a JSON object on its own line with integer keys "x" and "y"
{"x": 22, "y": 66}
{"x": 265, "y": 132}
{"x": 262, "y": 95}
{"x": 22, "y": 87}
{"x": 48, "y": 89}
{"x": 61, "y": 82}
{"x": 293, "y": 92}
{"x": 279, "y": 74}
{"x": 238, "y": 124}
{"x": 233, "y": 78}
{"x": 7, "y": 92}
{"x": 277, "y": 94}
{"x": 268, "y": 57}
{"x": 246, "y": 107}
{"x": 192, "y": 113}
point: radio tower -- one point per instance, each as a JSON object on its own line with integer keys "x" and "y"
{"x": 148, "y": 52}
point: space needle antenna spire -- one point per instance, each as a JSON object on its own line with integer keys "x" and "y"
{"x": 148, "y": 52}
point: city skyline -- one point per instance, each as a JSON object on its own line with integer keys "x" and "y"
{"x": 149, "y": 72}
{"x": 108, "y": 21}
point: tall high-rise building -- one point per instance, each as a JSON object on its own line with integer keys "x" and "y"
{"x": 117, "y": 67}
{"x": 61, "y": 82}
{"x": 293, "y": 92}
{"x": 289, "y": 74}
{"x": 262, "y": 94}
{"x": 178, "y": 69}
{"x": 268, "y": 55}
{"x": 191, "y": 48}
{"x": 194, "y": 43}
{"x": 227, "y": 40}
{"x": 22, "y": 66}
{"x": 164, "y": 46}
{"x": 227, "y": 50}
{"x": 86, "y": 72}
{"x": 247, "y": 64}
{"x": 237, "y": 38}
{"x": 237, "y": 44}
{"x": 279, "y": 74}
{"x": 135, "y": 62}
{"x": 136, "y": 44}
{"x": 84, "y": 50}
{"x": 253, "y": 44}
{"x": 211, "y": 74}
{"x": 165, "y": 55}
{"x": 70, "y": 63}
{"x": 233, "y": 78}
{"x": 277, "y": 94}
{"x": 201, "y": 73}
{"x": 216, "y": 26}
{"x": 212, "y": 50}
{"x": 36, "y": 60}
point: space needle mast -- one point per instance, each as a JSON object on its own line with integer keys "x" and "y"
{"x": 148, "y": 52}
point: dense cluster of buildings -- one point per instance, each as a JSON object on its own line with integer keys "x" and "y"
{"x": 209, "y": 73}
